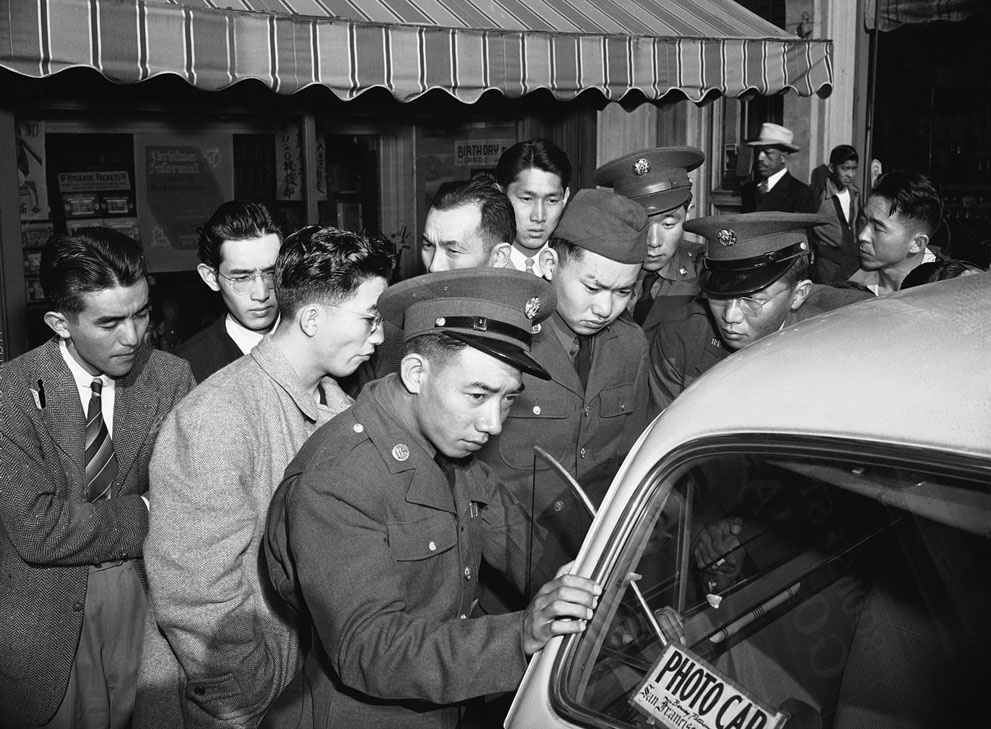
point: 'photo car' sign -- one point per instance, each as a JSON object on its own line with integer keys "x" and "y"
{"x": 682, "y": 691}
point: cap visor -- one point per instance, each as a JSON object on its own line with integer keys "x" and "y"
{"x": 743, "y": 282}
{"x": 502, "y": 351}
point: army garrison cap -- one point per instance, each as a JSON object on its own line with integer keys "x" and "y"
{"x": 494, "y": 310}
{"x": 603, "y": 222}
{"x": 749, "y": 252}
{"x": 655, "y": 178}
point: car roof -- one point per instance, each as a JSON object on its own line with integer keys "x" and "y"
{"x": 911, "y": 368}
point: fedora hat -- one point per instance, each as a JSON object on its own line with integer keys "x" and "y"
{"x": 774, "y": 135}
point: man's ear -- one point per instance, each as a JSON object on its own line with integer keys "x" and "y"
{"x": 308, "y": 318}
{"x": 918, "y": 243}
{"x": 58, "y": 323}
{"x": 800, "y": 294}
{"x": 567, "y": 196}
{"x": 499, "y": 255}
{"x": 549, "y": 262}
{"x": 209, "y": 276}
{"x": 412, "y": 371}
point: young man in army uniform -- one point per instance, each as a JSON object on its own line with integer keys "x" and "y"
{"x": 754, "y": 281}
{"x": 657, "y": 179}
{"x": 385, "y": 516}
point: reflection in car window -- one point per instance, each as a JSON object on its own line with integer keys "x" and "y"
{"x": 849, "y": 593}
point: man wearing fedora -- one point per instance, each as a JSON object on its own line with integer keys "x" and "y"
{"x": 657, "y": 179}
{"x": 776, "y": 189}
{"x": 754, "y": 280}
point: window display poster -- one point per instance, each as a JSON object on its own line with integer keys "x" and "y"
{"x": 181, "y": 180}
{"x": 289, "y": 177}
{"x": 31, "y": 180}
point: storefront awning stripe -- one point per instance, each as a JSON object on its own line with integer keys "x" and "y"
{"x": 614, "y": 46}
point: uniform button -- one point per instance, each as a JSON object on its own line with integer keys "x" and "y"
{"x": 582, "y": 453}
{"x": 432, "y": 546}
{"x": 557, "y": 505}
{"x": 77, "y": 606}
{"x": 536, "y": 410}
{"x": 588, "y": 410}
{"x": 467, "y": 573}
{"x": 199, "y": 690}
{"x": 462, "y": 616}
{"x": 358, "y": 428}
{"x": 622, "y": 406}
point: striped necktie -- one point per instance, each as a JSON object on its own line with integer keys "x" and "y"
{"x": 101, "y": 461}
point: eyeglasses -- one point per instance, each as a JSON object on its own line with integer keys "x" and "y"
{"x": 242, "y": 284}
{"x": 749, "y": 307}
{"x": 373, "y": 321}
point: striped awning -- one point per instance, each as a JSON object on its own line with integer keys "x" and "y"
{"x": 464, "y": 47}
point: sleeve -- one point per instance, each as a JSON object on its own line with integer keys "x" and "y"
{"x": 376, "y": 641}
{"x": 203, "y": 582}
{"x": 666, "y": 367}
{"x": 46, "y": 526}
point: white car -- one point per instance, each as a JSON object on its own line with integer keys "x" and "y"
{"x": 816, "y": 511}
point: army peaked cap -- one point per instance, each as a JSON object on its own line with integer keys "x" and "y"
{"x": 494, "y": 310}
{"x": 655, "y": 178}
{"x": 603, "y": 222}
{"x": 749, "y": 252}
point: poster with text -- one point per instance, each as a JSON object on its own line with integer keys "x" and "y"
{"x": 181, "y": 180}
{"x": 32, "y": 187}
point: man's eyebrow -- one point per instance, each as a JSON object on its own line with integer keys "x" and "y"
{"x": 111, "y": 319}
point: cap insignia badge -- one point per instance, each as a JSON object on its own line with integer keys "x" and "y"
{"x": 641, "y": 167}
{"x": 532, "y": 307}
{"x": 726, "y": 237}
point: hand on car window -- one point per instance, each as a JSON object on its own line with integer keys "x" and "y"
{"x": 562, "y": 606}
{"x": 718, "y": 554}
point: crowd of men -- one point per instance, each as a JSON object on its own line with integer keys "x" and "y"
{"x": 344, "y": 522}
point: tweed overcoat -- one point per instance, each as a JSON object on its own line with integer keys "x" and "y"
{"x": 50, "y": 535}
{"x": 788, "y": 196}
{"x": 385, "y": 555}
{"x": 588, "y": 431}
{"x": 218, "y": 648}
{"x": 209, "y": 350}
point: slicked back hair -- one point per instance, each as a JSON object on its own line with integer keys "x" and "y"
{"x": 85, "y": 261}
{"x": 327, "y": 265}
{"x": 498, "y": 223}
{"x": 234, "y": 220}
{"x": 536, "y": 154}
{"x": 913, "y": 196}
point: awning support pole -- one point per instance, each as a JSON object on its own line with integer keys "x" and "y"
{"x": 310, "y": 169}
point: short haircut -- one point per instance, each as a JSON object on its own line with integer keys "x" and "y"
{"x": 842, "y": 154}
{"x": 566, "y": 250}
{"x": 234, "y": 220}
{"x": 799, "y": 270}
{"x": 85, "y": 261}
{"x": 938, "y": 271}
{"x": 498, "y": 223}
{"x": 327, "y": 265}
{"x": 436, "y": 347}
{"x": 913, "y": 196}
{"x": 537, "y": 154}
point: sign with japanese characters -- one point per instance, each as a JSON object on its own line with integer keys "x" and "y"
{"x": 682, "y": 691}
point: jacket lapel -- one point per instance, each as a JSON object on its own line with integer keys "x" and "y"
{"x": 134, "y": 409}
{"x": 63, "y": 412}
{"x": 600, "y": 373}
{"x": 547, "y": 350}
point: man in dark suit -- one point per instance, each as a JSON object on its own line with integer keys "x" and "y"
{"x": 237, "y": 252}
{"x": 78, "y": 420}
{"x": 776, "y": 189}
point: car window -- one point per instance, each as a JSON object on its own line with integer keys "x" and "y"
{"x": 841, "y": 591}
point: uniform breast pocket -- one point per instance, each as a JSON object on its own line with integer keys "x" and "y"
{"x": 615, "y": 402}
{"x": 423, "y": 539}
{"x": 532, "y": 421}
{"x": 426, "y": 556}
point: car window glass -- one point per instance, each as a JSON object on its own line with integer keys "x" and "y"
{"x": 803, "y": 579}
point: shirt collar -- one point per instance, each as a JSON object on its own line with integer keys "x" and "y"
{"x": 776, "y": 178}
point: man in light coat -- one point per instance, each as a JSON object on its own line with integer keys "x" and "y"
{"x": 217, "y": 649}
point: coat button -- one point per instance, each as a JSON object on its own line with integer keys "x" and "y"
{"x": 359, "y": 428}
{"x": 467, "y": 573}
{"x": 432, "y": 546}
{"x": 582, "y": 453}
{"x": 536, "y": 410}
{"x": 588, "y": 410}
{"x": 78, "y": 605}
{"x": 462, "y": 616}
{"x": 557, "y": 505}
{"x": 199, "y": 690}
